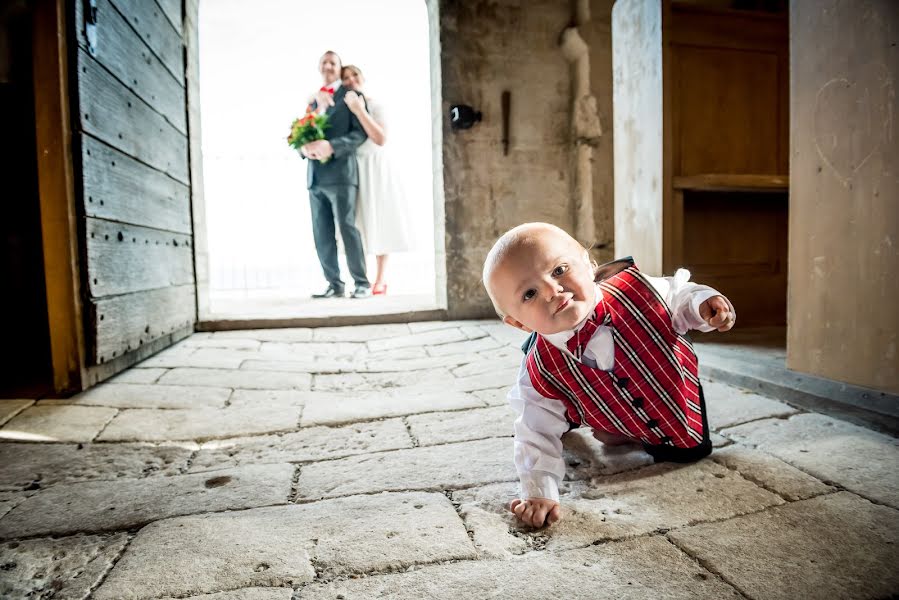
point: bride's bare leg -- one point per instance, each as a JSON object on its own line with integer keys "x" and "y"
{"x": 382, "y": 267}
{"x": 612, "y": 439}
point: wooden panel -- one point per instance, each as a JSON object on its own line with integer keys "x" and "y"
{"x": 157, "y": 32}
{"x": 117, "y": 116}
{"x": 726, "y": 105}
{"x": 121, "y": 51}
{"x": 97, "y": 373}
{"x": 119, "y": 188}
{"x": 123, "y": 258}
{"x": 736, "y": 29}
{"x": 125, "y": 323}
{"x": 732, "y": 183}
{"x": 737, "y": 243}
{"x": 172, "y": 10}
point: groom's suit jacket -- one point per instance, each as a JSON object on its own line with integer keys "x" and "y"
{"x": 345, "y": 134}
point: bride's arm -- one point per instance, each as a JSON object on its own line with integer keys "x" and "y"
{"x": 375, "y": 130}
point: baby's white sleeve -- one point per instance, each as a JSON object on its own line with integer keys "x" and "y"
{"x": 683, "y": 298}
{"x": 538, "y": 445}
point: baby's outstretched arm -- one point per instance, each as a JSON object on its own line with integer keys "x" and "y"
{"x": 536, "y": 511}
{"x": 718, "y": 313}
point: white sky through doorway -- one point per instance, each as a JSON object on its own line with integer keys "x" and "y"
{"x": 258, "y": 65}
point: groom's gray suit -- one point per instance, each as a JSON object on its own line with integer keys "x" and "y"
{"x": 332, "y": 193}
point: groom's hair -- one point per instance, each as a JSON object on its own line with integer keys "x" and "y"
{"x": 337, "y": 56}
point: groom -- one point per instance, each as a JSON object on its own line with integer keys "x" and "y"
{"x": 333, "y": 184}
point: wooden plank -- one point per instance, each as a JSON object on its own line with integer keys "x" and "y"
{"x": 120, "y": 50}
{"x": 130, "y": 191}
{"x": 172, "y": 10}
{"x": 123, "y": 258}
{"x": 155, "y": 29}
{"x": 126, "y": 323}
{"x": 97, "y": 373}
{"x": 727, "y": 182}
{"x": 114, "y": 114}
{"x": 57, "y": 195}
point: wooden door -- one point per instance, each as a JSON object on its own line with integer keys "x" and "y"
{"x": 132, "y": 179}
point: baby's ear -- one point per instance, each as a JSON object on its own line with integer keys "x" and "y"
{"x": 516, "y": 324}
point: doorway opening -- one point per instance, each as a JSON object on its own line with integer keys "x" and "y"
{"x": 26, "y": 355}
{"x": 262, "y": 262}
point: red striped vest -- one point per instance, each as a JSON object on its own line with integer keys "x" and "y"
{"x": 652, "y": 393}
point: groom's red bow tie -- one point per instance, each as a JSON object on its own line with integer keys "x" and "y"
{"x": 325, "y": 88}
{"x": 578, "y": 342}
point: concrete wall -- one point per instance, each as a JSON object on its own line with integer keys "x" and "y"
{"x": 844, "y": 191}
{"x": 488, "y": 47}
{"x": 638, "y": 133}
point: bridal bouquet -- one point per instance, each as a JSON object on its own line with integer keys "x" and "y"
{"x": 307, "y": 129}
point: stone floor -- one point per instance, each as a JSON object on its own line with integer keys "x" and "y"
{"x": 375, "y": 462}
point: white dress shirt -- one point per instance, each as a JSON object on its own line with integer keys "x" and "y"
{"x": 542, "y": 421}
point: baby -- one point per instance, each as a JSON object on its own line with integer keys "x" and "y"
{"x": 606, "y": 351}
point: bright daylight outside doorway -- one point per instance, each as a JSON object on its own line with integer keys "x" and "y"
{"x": 258, "y": 68}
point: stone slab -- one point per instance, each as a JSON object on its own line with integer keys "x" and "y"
{"x": 134, "y": 395}
{"x": 238, "y": 378}
{"x": 506, "y": 334}
{"x": 57, "y": 423}
{"x": 264, "y": 400}
{"x": 304, "y": 350}
{"x": 10, "y": 408}
{"x": 460, "y": 426}
{"x": 143, "y": 375}
{"x": 256, "y": 593}
{"x": 330, "y": 409}
{"x": 434, "y": 468}
{"x": 308, "y": 444}
{"x": 770, "y": 473}
{"x": 729, "y": 405}
{"x": 413, "y": 364}
{"x": 300, "y": 366}
{"x": 9, "y": 500}
{"x": 294, "y": 334}
{"x": 636, "y": 569}
{"x": 212, "y": 552}
{"x": 151, "y": 425}
{"x": 662, "y": 496}
{"x": 495, "y": 396}
{"x": 418, "y": 340}
{"x": 215, "y": 341}
{"x": 359, "y": 333}
{"x": 28, "y": 465}
{"x": 831, "y": 450}
{"x": 422, "y": 326}
{"x": 429, "y": 379}
{"x": 466, "y": 347}
{"x": 201, "y": 358}
{"x": 66, "y": 567}
{"x": 113, "y": 505}
{"x": 486, "y": 365}
{"x": 833, "y": 546}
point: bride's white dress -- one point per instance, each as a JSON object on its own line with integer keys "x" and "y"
{"x": 381, "y": 209}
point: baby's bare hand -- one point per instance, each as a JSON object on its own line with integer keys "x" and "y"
{"x": 536, "y": 511}
{"x": 717, "y": 313}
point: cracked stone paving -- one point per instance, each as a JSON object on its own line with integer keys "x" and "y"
{"x": 376, "y": 462}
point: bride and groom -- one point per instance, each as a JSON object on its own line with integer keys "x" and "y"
{"x": 355, "y": 187}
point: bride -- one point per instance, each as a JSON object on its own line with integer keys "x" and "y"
{"x": 381, "y": 204}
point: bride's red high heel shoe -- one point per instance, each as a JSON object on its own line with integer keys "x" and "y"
{"x": 379, "y": 290}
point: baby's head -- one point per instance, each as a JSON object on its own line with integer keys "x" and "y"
{"x": 540, "y": 279}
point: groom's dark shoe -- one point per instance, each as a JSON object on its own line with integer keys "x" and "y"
{"x": 331, "y": 292}
{"x": 361, "y": 292}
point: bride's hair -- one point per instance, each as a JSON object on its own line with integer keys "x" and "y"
{"x": 354, "y": 70}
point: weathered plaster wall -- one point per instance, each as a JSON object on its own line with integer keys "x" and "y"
{"x": 844, "y": 191}
{"x": 637, "y": 64}
{"x": 491, "y": 46}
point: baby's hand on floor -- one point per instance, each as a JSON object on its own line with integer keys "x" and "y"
{"x": 536, "y": 511}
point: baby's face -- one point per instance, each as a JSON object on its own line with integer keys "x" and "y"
{"x": 545, "y": 285}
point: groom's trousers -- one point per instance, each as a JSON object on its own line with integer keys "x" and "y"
{"x": 330, "y": 203}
